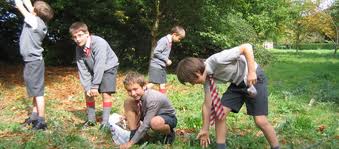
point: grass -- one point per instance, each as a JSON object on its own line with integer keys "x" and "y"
{"x": 294, "y": 79}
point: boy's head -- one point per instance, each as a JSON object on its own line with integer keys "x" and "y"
{"x": 177, "y": 33}
{"x": 191, "y": 70}
{"x": 79, "y": 32}
{"x": 135, "y": 85}
{"x": 43, "y": 10}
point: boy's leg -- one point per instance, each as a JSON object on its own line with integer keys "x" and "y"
{"x": 90, "y": 104}
{"x": 106, "y": 106}
{"x": 267, "y": 129}
{"x": 34, "y": 115}
{"x": 132, "y": 115}
{"x": 165, "y": 124}
{"x": 221, "y": 129}
{"x": 40, "y": 123}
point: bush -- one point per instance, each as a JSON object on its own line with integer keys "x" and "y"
{"x": 306, "y": 46}
{"x": 263, "y": 56}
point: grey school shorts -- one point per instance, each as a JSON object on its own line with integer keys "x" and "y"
{"x": 157, "y": 75}
{"x": 108, "y": 83}
{"x": 236, "y": 95}
{"x": 34, "y": 77}
{"x": 170, "y": 120}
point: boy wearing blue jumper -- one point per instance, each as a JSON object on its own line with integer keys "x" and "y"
{"x": 160, "y": 59}
{"x": 33, "y": 32}
{"x": 237, "y": 66}
{"x": 97, "y": 66}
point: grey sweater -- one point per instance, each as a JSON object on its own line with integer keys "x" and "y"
{"x": 153, "y": 103}
{"x": 161, "y": 53}
{"x": 91, "y": 69}
{"x": 31, "y": 38}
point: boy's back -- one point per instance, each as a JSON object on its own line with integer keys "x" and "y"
{"x": 33, "y": 32}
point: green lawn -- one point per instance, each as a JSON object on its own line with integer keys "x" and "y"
{"x": 294, "y": 79}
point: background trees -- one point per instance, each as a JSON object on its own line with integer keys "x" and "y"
{"x": 133, "y": 26}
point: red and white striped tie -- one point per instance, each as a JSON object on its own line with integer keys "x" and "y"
{"x": 87, "y": 51}
{"x": 217, "y": 110}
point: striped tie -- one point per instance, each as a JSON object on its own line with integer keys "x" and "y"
{"x": 217, "y": 109}
{"x": 87, "y": 51}
{"x": 139, "y": 103}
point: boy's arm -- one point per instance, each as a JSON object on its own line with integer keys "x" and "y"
{"x": 206, "y": 108}
{"x": 158, "y": 51}
{"x": 85, "y": 75}
{"x": 152, "y": 110}
{"x": 20, "y": 6}
{"x": 28, "y": 5}
{"x": 247, "y": 51}
{"x": 100, "y": 55}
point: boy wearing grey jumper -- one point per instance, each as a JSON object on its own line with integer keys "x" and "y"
{"x": 97, "y": 66}
{"x": 33, "y": 32}
{"x": 160, "y": 59}
{"x": 149, "y": 106}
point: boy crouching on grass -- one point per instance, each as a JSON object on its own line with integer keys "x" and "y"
{"x": 237, "y": 66}
{"x": 97, "y": 66}
{"x": 147, "y": 108}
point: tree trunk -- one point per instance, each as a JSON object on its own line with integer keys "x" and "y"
{"x": 155, "y": 26}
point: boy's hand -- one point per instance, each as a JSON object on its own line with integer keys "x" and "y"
{"x": 251, "y": 78}
{"x": 168, "y": 62}
{"x": 204, "y": 138}
{"x": 126, "y": 145}
{"x": 92, "y": 92}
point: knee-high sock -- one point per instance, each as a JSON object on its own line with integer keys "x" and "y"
{"x": 107, "y": 106}
{"x": 91, "y": 111}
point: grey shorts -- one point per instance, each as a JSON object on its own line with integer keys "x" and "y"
{"x": 34, "y": 77}
{"x": 170, "y": 120}
{"x": 157, "y": 75}
{"x": 236, "y": 95}
{"x": 108, "y": 83}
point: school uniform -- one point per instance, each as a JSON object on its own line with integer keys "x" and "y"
{"x": 33, "y": 32}
{"x": 230, "y": 66}
{"x": 157, "y": 70}
{"x": 154, "y": 104}
{"x": 98, "y": 68}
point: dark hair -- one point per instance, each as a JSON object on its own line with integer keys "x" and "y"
{"x": 78, "y": 26}
{"x": 43, "y": 10}
{"x": 187, "y": 69}
{"x": 134, "y": 77}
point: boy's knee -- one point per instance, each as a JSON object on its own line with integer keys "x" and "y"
{"x": 129, "y": 104}
{"x": 157, "y": 122}
{"x": 261, "y": 121}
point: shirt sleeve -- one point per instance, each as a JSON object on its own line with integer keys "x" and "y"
{"x": 224, "y": 57}
{"x": 152, "y": 110}
{"x": 100, "y": 56}
{"x": 159, "y": 49}
{"x": 85, "y": 75}
{"x": 32, "y": 21}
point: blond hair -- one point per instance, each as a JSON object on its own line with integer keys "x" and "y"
{"x": 43, "y": 10}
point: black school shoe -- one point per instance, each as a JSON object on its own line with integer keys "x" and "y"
{"x": 39, "y": 125}
{"x": 88, "y": 124}
{"x": 169, "y": 138}
{"x": 28, "y": 121}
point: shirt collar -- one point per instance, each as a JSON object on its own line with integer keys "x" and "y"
{"x": 88, "y": 42}
{"x": 169, "y": 38}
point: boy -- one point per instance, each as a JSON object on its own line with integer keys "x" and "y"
{"x": 238, "y": 67}
{"x": 33, "y": 32}
{"x": 149, "y": 106}
{"x": 97, "y": 64}
{"x": 159, "y": 60}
